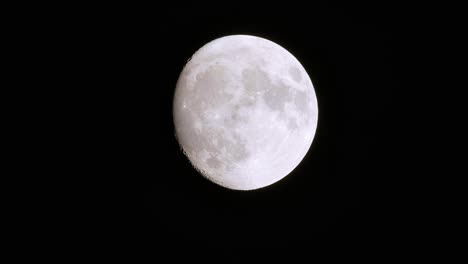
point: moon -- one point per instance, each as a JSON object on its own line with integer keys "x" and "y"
{"x": 245, "y": 112}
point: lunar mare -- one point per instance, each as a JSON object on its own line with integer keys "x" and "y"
{"x": 245, "y": 112}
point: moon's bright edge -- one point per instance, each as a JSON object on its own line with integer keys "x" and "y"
{"x": 245, "y": 112}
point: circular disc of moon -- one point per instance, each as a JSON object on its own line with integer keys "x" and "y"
{"x": 245, "y": 112}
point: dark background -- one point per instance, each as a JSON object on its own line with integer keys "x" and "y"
{"x": 127, "y": 63}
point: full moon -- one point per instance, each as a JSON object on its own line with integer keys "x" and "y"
{"x": 245, "y": 112}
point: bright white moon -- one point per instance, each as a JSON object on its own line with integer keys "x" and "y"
{"x": 245, "y": 112}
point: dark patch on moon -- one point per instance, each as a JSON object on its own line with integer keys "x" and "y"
{"x": 214, "y": 162}
{"x": 292, "y": 124}
{"x": 208, "y": 89}
{"x": 302, "y": 102}
{"x": 295, "y": 74}
{"x": 276, "y": 96}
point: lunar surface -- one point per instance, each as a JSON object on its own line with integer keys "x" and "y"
{"x": 245, "y": 112}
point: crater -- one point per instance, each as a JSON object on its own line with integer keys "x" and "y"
{"x": 238, "y": 150}
{"x": 223, "y": 150}
{"x": 182, "y": 82}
